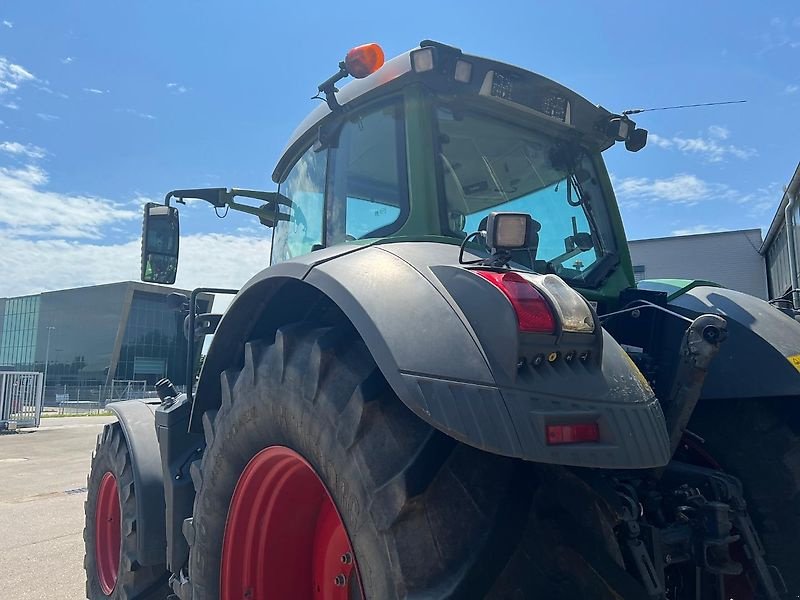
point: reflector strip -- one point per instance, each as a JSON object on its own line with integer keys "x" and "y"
{"x": 574, "y": 433}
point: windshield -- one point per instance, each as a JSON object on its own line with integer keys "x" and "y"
{"x": 490, "y": 165}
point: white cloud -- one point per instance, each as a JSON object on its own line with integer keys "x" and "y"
{"x": 711, "y": 148}
{"x": 12, "y": 75}
{"x": 778, "y": 36}
{"x": 7, "y": 23}
{"x": 11, "y": 105}
{"x": 137, "y": 113}
{"x": 791, "y": 88}
{"x": 697, "y": 229}
{"x": 95, "y": 91}
{"x": 719, "y": 132}
{"x": 678, "y": 189}
{"x": 33, "y": 266}
{"x": 67, "y": 60}
{"x": 47, "y": 117}
{"x": 28, "y": 150}
{"x": 54, "y": 240}
{"x": 29, "y": 210}
{"x": 177, "y": 88}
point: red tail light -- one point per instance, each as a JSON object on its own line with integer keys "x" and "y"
{"x": 533, "y": 312}
{"x": 572, "y": 434}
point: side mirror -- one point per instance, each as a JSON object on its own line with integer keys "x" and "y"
{"x": 160, "y": 237}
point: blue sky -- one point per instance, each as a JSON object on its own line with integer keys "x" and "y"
{"x": 106, "y": 104}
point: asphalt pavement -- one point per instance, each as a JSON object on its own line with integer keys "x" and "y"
{"x": 42, "y": 490}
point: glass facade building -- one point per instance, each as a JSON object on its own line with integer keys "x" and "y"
{"x": 90, "y": 336}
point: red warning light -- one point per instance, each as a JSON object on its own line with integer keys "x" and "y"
{"x": 364, "y": 60}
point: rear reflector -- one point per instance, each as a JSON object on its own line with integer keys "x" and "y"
{"x": 533, "y": 313}
{"x": 572, "y": 434}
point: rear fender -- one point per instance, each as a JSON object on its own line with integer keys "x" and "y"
{"x": 452, "y": 361}
{"x": 137, "y": 420}
{"x": 382, "y": 296}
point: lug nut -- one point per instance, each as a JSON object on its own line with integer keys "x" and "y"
{"x": 570, "y": 356}
{"x": 347, "y": 558}
{"x": 340, "y": 580}
{"x": 584, "y": 356}
{"x": 552, "y": 357}
{"x": 537, "y": 360}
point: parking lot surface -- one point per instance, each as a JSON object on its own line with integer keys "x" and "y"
{"x": 42, "y": 490}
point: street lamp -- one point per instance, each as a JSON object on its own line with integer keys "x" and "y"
{"x": 47, "y": 357}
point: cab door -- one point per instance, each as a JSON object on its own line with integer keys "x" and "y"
{"x": 369, "y": 177}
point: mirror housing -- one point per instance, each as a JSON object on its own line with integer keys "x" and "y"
{"x": 637, "y": 140}
{"x": 160, "y": 240}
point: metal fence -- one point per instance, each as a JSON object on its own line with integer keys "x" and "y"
{"x": 127, "y": 389}
{"x": 20, "y": 398}
{"x": 93, "y": 399}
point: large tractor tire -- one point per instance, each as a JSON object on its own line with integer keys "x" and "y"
{"x": 758, "y": 441}
{"x": 110, "y": 531}
{"x": 318, "y": 483}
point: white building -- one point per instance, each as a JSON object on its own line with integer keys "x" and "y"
{"x": 729, "y": 258}
{"x": 782, "y": 274}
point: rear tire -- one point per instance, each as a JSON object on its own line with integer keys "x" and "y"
{"x": 426, "y": 516}
{"x": 110, "y": 532}
{"x": 758, "y": 441}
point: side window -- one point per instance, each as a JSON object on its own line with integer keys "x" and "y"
{"x": 302, "y": 228}
{"x": 370, "y": 195}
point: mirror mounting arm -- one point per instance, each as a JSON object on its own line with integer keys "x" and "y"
{"x": 268, "y": 213}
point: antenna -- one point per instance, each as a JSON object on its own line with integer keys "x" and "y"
{"x": 636, "y": 111}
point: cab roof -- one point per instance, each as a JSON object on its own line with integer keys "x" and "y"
{"x": 582, "y": 114}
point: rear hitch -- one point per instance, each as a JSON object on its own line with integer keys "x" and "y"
{"x": 681, "y": 529}
{"x": 700, "y": 345}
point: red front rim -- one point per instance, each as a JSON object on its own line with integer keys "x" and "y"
{"x": 284, "y": 537}
{"x": 107, "y": 533}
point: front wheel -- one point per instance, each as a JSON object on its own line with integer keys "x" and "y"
{"x": 110, "y": 531}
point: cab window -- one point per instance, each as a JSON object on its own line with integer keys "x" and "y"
{"x": 301, "y": 228}
{"x": 489, "y": 165}
{"x": 370, "y": 191}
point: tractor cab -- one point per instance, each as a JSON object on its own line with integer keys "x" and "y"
{"x": 429, "y": 144}
{"x": 433, "y": 141}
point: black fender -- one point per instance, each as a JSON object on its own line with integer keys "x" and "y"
{"x": 407, "y": 302}
{"x": 137, "y": 419}
{"x": 761, "y": 357}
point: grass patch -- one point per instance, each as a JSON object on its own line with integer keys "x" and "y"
{"x": 100, "y": 413}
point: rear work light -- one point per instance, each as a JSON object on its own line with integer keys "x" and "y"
{"x": 533, "y": 312}
{"x": 574, "y": 433}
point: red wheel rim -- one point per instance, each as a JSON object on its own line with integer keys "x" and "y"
{"x": 107, "y": 533}
{"x": 284, "y": 537}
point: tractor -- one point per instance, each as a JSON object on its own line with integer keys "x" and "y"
{"x": 447, "y": 382}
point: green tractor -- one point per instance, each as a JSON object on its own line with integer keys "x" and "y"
{"x": 447, "y": 383}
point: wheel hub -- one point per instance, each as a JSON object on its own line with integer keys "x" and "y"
{"x": 284, "y": 537}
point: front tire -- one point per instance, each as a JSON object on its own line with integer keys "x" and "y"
{"x": 110, "y": 531}
{"x": 424, "y": 515}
